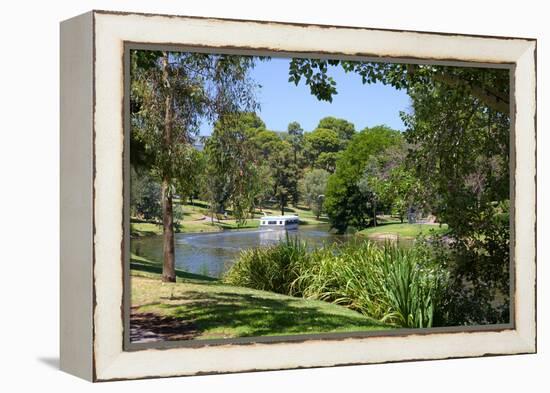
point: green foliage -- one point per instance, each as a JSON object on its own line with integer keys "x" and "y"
{"x": 313, "y": 187}
{"x": 296, "y": 139}
{"x": 319, "y": 141}
{"x": 490, "y": 86}
{"x": 391, "y": 285}
{"x": 264, "y": 184}
{"x": 343, "y": 128}
{"x": 171, "y": 94}
{"x": 295, "y": 129}
{"x": 271, "y": 268}
{"x": 144, "y": 196}
{"x": 478, "y": 289}
{"x": 462, "y": 155}
{"x": 315, "y": 73}
{"x": 265, "y": 142}
{"x": 284, "y": 172}
{"x": 232, "y": 170}
{"x": 327, "y": 161}
{"x": 403, "y": 190}
{"x": 345, "y": 203}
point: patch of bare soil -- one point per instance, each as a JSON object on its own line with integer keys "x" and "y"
{"x": 149, "y": 327}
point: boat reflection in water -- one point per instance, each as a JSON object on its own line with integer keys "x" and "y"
{"x": 270, "y": 237}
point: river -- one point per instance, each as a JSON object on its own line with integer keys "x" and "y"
{"x": 212, "y": 254}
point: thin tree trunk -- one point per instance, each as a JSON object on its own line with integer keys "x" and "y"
{"x": 168, "y": 266}
{"x": 282, "y": 207}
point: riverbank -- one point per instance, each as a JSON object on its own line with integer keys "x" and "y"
{"x": 396, "y": 231}
{"x": 196, "y": 219}
{"x": 201, "y": 307}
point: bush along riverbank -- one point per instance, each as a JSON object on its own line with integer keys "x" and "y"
{"x": 400, "y": 287}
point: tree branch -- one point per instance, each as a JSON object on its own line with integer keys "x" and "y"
{"x": 492, "y": 99}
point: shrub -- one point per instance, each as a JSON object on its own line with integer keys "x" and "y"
{"x": 477, "y": 292}
{"x": 389, "y": 284}
{"x": 271, "y": 268}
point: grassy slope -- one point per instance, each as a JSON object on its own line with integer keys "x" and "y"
{"x": 224, "y": 311}
{"x": 403, "y": 230}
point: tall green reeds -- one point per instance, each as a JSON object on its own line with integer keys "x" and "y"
{"x": 401, "y": 287}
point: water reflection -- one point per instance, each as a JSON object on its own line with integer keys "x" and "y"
{"x": 213, "y": 253}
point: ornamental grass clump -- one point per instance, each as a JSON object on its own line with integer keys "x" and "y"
{"x": 400, "y": 287}
{"x": 272, "y": 268}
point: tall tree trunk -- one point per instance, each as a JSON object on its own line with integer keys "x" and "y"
{"x": 169, "y": 260}
{"x": 282, "y": 206}
{"x": 169, "y": 265}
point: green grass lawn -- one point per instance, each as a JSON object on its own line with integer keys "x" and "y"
{"x": 200, "y": 307}
{"x": 407, "y": 231}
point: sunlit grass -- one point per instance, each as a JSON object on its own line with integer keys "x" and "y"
{"x": 404, "y": 230}
{"x": 218, "y": 310}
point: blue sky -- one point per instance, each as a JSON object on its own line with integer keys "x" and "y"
{"x": 282, "y": 102}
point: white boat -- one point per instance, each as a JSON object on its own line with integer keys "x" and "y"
{"x": 279, "y": 222}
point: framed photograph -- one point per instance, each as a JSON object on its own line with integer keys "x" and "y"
{"x": 249, "y": 195}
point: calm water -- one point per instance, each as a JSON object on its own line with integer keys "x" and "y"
{"x": 213, "y": 253}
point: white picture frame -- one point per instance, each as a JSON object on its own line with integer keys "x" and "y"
{"x": 93, "y": 242}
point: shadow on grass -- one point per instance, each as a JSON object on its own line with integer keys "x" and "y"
{"x": 237, "y": 314}
{"x": 146, "y": 267}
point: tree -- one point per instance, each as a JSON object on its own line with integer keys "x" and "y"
{"x": 370, "y": 185}
{"x": 144, "y": 196}
{"x": 282, "y": 165}
{"x": 171, "y": 94}
{"x": 403, "y": 191}
{"x": 265, "y": 141}
{"x": 193, "y": 184}
{"x": 320, "y": 140}
{"x": 232, "y": 166}
{"x": 343, "y": 128}
{"x": 296, "y": 134}
{"x": 461, "y": 153}
{"x": 327, "y": 161}
{"x": 345, "y": 203}
{"x": 314, "y": 186}
{"x": 263, "y": 185}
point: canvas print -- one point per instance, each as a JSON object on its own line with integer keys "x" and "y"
{"x": 278, "y": 196}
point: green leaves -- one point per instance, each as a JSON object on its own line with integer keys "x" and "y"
{"x": 489, "y": 86}
{"x": 345, "y": 204}
{"x": 391, "y": 285}
{"x": 314, "y": 71}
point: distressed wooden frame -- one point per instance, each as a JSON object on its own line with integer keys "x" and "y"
{"x": 93, "y": 226}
